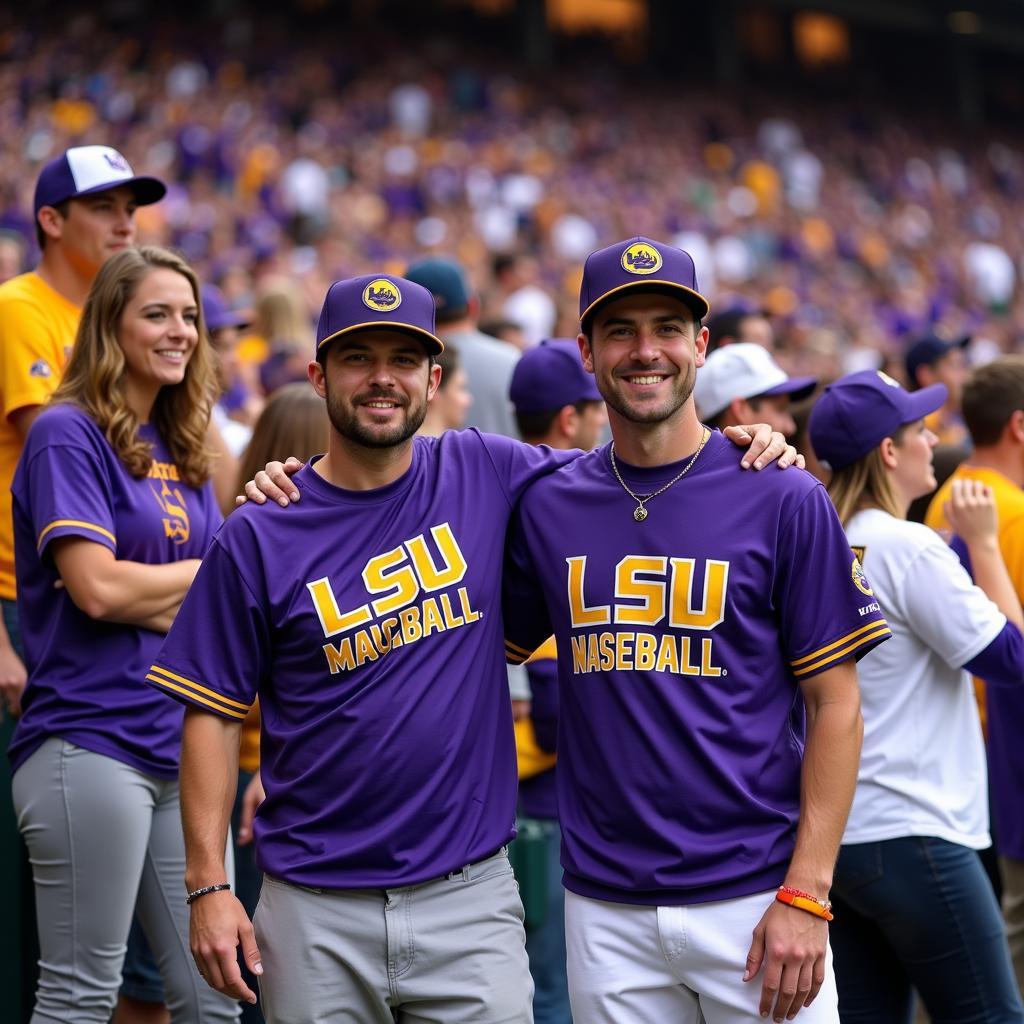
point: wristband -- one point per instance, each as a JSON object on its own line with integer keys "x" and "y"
{"x": 193, "y": 896}
{"x": 804, "y": 901}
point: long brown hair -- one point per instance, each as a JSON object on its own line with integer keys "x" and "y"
{"x": 293, "y": 422}
{"x": 865, "y": 484}
{"x": 95, "y": 374}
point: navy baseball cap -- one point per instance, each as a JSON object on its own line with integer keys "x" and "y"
{"x": 639, "y": 264}
{"x": 928, "y": 350}
{"x": 551, "y": 375}
{"x": 217, "y": 314}
{"x": 378, "y": 302}
{"x": 444, "y": 279}
{"x": 858, "y": 411}
{"x": 83, "y": 170}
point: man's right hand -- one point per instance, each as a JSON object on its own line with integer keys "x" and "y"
{"x": 12, "y": 681}
{"x": 219, "y": 925}
{"x": 272, "y": 482}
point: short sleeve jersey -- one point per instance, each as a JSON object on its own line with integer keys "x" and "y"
{"x": 369, "y": 624}
{"x": 915, "y": 695}
{"x": 681, "y": 643}
{"x": 37, "y": 331}
{"x": 1005, "y": 705}
{"x": 85, "y": 676}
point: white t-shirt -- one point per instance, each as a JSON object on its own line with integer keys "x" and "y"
{"x": 922, "y": 769}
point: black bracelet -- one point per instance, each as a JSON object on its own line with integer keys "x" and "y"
{"x": 205, "y": 889}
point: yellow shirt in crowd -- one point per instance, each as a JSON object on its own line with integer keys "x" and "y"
{"x": 37, "y": 329}
{"x": 1009, "y": 499}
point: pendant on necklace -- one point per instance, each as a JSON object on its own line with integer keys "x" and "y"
{"x": 639, "y": 513}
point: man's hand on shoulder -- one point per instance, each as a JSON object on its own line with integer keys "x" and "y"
{"x": 764, "y": 446}
{"x": 274, "y": 483}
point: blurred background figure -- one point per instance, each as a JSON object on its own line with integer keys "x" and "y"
{"x": 932, "y": 360}
{"x": 993, "y": 406}
{"x": 487, "y": 362}
{"x": 282, "y": 335}
{"x": 237, "y": 407}
{"x": 739, "y": 325}
{"x": 741, "y": 383}
{"x": 557, "y": 403}
{"x": 451, "y": 401}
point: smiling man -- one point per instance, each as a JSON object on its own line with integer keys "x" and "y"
{"x": 697, "y": 612}
{"x": 368, "y": 620}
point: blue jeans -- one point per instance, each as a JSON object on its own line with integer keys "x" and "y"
{"x": 919, "y": 913}
{"x": 545, "y": 944}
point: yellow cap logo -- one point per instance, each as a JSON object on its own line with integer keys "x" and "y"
{"x": 382, "y": 295}
{"x": 641, "y": 258}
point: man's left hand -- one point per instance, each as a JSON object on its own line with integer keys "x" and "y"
{"x": 790, "y": 945}
{"x": 764, "y": 445}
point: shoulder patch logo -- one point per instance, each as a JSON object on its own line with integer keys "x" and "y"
{"x": 40, "y": 368}
{"x": 641, "y": 258}
{"x": 860, "y": 581}
{"x": 382, "y": 296}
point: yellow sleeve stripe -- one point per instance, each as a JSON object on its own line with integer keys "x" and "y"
{"x": 58, "y": 523}
{"x": 511, "y": 647}
{"x": 881, "y": 630}
{"x": 220, "y": 709}
{"x": 200, "y": 689}
{"x": 843, "y": 640}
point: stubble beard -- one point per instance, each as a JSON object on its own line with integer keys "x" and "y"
{"x": 344, "y": 419}
{"x": 675, "y": 401}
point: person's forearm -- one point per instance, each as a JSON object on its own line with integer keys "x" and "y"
{"x": 991, "y": 575}
{"x": 828, "y": 780}
{"x": 209, "y": 777}
{"x": 114, "y": 590}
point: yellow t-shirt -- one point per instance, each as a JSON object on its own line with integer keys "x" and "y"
{"x": 37, "y": 329}
{"x": 1009, "y": 500}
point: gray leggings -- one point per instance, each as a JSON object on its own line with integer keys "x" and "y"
{"x": 105, "y": 839}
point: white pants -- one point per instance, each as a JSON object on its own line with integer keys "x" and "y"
{"x": 631, "y": 964}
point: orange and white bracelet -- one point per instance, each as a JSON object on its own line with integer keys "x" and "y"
{"x": 804, "y": 901}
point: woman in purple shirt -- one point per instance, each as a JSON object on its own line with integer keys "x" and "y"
{"x": 112, "y": 511}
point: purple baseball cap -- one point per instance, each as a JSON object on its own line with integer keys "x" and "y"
{"x": 217, "y": 314}
{"x": 378, "y": 302}
{"x": 83, "y": 170}
{"x": 551, "y": 375}
{"x": 639, "y": 264}
{"x": 858, "y": 411}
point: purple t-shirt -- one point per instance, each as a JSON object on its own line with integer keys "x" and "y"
{"x": 681, "y": 644}
{"x": 369, "y": 624}
{"x": 85, "y": 675}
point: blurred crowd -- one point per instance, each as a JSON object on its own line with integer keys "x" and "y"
{"x": 312, "y": 159}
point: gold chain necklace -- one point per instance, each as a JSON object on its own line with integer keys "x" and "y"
{"x": 640, "y": 513}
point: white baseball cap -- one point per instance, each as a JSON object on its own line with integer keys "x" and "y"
{"x": 743, "y": 370}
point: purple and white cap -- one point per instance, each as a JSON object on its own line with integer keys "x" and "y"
{"x": 744, "y": 370}
{"x": 378, "y": 302}
{"x": 550, "y": 376}
{"x": 639, "y": 264}
{"x": 857, "y": 412}
{"x": 83, "y": 170}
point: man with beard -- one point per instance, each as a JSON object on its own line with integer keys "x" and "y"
{"x": 368, "y": 620}
{"x": 697, "y": 613}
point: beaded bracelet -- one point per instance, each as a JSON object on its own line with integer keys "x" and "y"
{"x": 804, "y": 901}
{"x": 192, "y": 896}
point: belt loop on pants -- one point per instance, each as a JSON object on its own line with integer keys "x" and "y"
{"x": 463, "y": 872}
